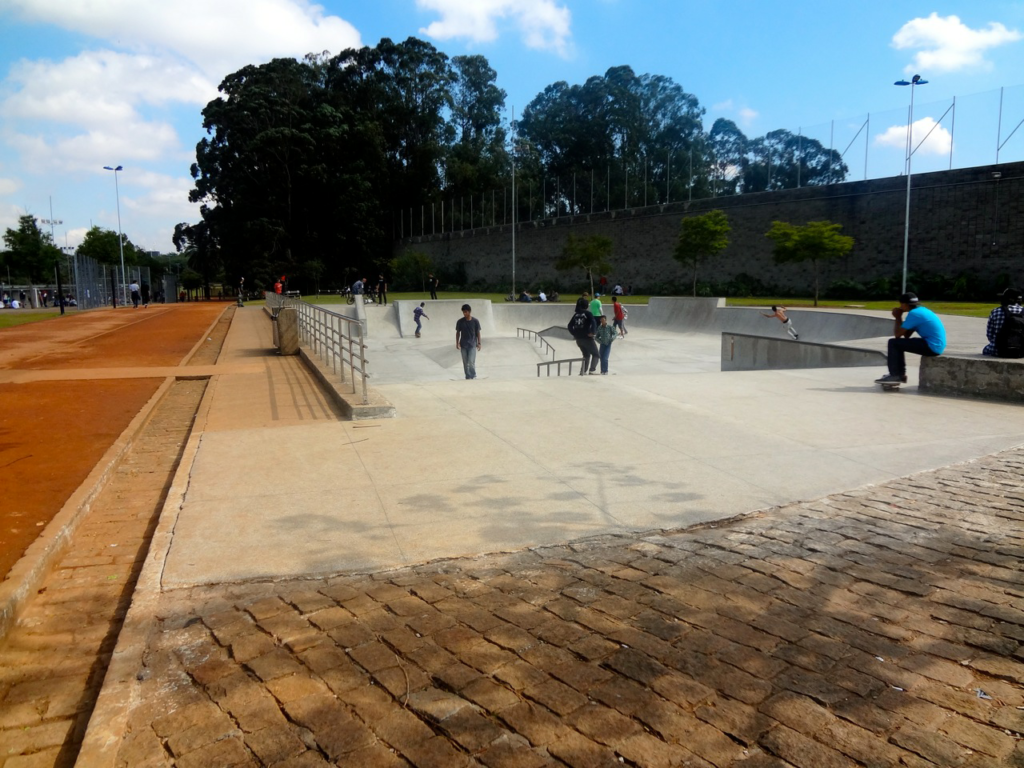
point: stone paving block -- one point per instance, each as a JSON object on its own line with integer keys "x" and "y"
{"x": 277, "y": 663}
{"x": 297, "y": 686}
{"x": 556, "y": 696}
{"x": 603, "y": 724}
{"x": 513, "y": 751}
{"x": 274, "y": 745}
{"x": 801, "y": 751}
{"x": 929, "y": 745}
{"x": 734, "y": 718}
{"x": 226, "y": 753}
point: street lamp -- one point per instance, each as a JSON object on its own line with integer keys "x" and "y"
{"x": 914, "y": 81}
{"x": 60, "y": 289}
{"x": 120, "y": 237}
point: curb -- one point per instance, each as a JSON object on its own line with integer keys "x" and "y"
{"x": 114, "y": 704}
{"x": 28, "y": 574}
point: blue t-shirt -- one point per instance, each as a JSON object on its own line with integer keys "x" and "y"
{"x": 928, "y": 327}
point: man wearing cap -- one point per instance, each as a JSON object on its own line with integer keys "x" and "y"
{"x": 1009, "y": 305}
{"x": 911, "y": 317}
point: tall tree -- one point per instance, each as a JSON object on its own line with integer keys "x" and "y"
{"x": 728, "y": 146}
{"x": 30, "y": 252}
{"x": 701, "y": 238}
{"x": 102, "y": 246}
{"x": 815, "y": 241}
{"x": 591, "y": 254}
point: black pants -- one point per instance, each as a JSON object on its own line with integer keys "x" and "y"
{"x": 433, "y": 294}
{"x": 591, "y": 354}
{"x": 898, "y": 349}
{"x": 382, "y": 296}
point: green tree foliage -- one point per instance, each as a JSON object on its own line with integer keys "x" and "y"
{"x": 701, "y": 238}
{"x": 201, "y": 252}
{"x": 409, "y": 271}
{"x": 102, "y": 246}
{"x": 30, "y": 253}
{"x": 791, "y": 161}
{"x": 621, "y": 127}
{"x": 815, "y": 241}
{"x": 591, "y": 254}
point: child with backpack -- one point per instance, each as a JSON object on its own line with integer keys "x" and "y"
{"x": 582, "y": 328}
{"x": 1005, "y": 330}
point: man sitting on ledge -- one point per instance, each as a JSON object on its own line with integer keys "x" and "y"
{"x": 1003, "y": 329}
{"x": 910, "y": 316}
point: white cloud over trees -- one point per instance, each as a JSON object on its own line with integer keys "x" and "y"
{"x": 946, "y": 44}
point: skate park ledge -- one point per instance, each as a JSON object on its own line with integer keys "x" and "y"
{"x": 747, "y": 352}
{"x": 991, "y": 378}
{"x": 350, "y": 403}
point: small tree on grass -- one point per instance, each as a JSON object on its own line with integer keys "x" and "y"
{"x": 815, "y": 241}
{"x": 701, "y": 238}
{"x": 588, "y": 253}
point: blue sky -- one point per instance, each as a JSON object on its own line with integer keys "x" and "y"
{"x": 88, "y": 83}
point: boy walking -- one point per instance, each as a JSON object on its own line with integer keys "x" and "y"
{"x": 468, "y": 340}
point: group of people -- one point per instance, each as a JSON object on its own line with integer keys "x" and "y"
{"x": 139, "y": 293}
{"x": 589, "y": 328}
{"x": 1004, "y": 331}
{"x": 363, "y": 287}
{"x": 593, "y": 336}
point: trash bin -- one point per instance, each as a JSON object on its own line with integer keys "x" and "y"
{"x": 287, "y": 327}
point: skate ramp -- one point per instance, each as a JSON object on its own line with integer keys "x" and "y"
{"x": 743, "y": 352}
{"x": 688, "y": 315}
{"x": 443, "y": 315}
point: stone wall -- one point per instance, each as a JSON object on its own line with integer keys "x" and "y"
{"x": 969, "y": 219}
{"x": 973, "y": 376}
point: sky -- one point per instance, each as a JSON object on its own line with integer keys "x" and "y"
{"x": 91, "y": 83}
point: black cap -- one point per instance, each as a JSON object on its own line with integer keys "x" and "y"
{"x": 1010, "y": 294}
{"x": 908, "y": 298}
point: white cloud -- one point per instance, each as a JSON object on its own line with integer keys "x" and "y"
{"x": 543, "y": 24}
{"x": 722, "y": 106}
{"x": 748, "y": 116}
{"x": 218, "y": 37}
{"x": 948, "y": 45}
{"x": 938, "y": 139}
{"x": 9, "y": 186}
{"x": 100, "y": 87}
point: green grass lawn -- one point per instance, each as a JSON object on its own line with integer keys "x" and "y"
{"x": 12, "y": 317}
{"x": 966, "y": 309}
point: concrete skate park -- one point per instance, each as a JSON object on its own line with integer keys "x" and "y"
{"x": 522, "y": 457}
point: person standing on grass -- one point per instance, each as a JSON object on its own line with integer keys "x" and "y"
{"x": 780, "y": 313}
{"x": 468, "y": 340}
{"x": 432, "y": 282}
{"x": 619, "y": 321}
{"x": 418, "y": 314}
{"x": 382, "y": 290}
{"x": 604, "y": 337}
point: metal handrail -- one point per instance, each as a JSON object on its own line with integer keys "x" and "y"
{"x": 335, "y": 338}
{"x": 526, "y": 332}
{"x": 559, "y": 363}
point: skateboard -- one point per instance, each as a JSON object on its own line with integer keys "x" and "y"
{"x": 890, "y": 386}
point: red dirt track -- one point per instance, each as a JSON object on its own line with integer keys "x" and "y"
{"x": 52, "y": 433}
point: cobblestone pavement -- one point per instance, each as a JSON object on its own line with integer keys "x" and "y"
{"x": 879, "y": 627}
{"x": 53, "y": 661}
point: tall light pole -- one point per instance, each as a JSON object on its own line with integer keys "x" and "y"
{"x": 120, "y": 237}
{"x": 60, "y": 289}
{"x": 914, "y": 81}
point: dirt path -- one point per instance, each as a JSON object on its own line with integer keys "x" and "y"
{"x": 52, "y": 663}
{"x": 53, "y": 433}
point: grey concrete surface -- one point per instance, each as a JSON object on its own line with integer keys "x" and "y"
{"x": 510, "y": 461}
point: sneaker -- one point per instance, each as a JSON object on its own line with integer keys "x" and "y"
{"x": 891, "y": 378}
